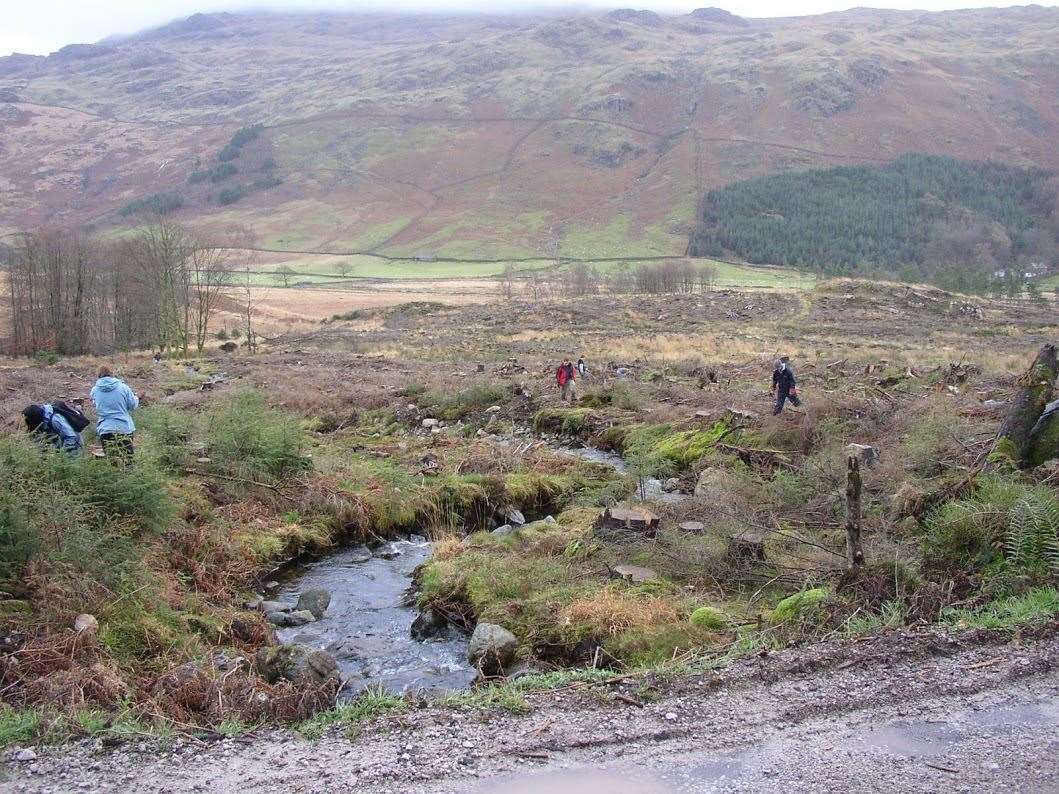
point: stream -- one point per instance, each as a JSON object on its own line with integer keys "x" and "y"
{"x": 367, "y": 625}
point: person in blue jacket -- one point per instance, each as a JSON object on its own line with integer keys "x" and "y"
{"x": 114, "y": 402}
{"x": 46, "y": 423}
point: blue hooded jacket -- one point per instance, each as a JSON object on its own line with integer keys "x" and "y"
{"x": 115, "y": 403}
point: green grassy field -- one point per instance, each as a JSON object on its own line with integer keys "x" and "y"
{"x": 336, "y": 270}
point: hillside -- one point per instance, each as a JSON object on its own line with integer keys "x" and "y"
{"x": 503, "y": 136}
{"x": 930, "y": 218}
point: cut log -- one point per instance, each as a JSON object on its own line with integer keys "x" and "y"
{"x": 1035, "y": 391}
{"x": 636, "y": 519}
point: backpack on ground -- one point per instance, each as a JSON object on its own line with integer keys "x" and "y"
{"x": 74, "y": 416}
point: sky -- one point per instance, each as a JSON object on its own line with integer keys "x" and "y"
{"x": 43, "y": 27}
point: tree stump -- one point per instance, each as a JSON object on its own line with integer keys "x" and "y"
{"x": 693, "y": 527}
{"x": 1036, "y": 387}
{"x": 624, "y": 519}
{"x": 748, "y": 547}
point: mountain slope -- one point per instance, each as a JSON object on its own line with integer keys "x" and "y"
{"x": 493, "y": 136}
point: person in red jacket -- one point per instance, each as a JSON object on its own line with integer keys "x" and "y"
{"x": 566, "y": 380}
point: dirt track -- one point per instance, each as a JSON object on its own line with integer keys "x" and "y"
{"x": 907, "y": 713}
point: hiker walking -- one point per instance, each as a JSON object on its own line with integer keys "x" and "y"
{"x": 114, "y": 402}
{"x": 784, "y": 386}
{"x": 582, "y": 369}
{"x": 566, "y": 379}
{"x": 48, "y": 423}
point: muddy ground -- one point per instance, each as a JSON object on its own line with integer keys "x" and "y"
{"x": 905, "y": 712}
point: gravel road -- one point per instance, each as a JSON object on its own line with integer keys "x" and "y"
{"x": 906, "y": 712}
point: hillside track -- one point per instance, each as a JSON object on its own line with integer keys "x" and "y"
{"x": 906, "y": 712}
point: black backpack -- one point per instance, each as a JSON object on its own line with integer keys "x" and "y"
{"x": 77, "y": 419}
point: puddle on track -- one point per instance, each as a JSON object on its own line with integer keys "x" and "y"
{"x": 366, "y": 627}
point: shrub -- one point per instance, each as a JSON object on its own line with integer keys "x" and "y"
{"x": 231, "y": 195}
{"x": 463, "y": 403}
{"x": 709, "y": 618}
{"x": 1003, "y": 518}
{"x": 799, "y": 605}
{"x": 247, "y": 436}
{"x": 157, "y": 204}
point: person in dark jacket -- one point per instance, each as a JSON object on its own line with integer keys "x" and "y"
{"x": 784, "y": 386}
{"x": 47, "y": 424}
{"x": 114, "y": 402}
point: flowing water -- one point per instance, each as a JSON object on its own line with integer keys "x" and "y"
{"x": 366, "y": 627}
{"x": 652, "y": 487}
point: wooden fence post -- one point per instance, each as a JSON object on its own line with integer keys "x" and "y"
{"x": 854, "y": 551}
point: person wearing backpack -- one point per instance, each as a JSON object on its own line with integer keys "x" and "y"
{"x": 565, "y": 379}
{"x": 114, "y": 402}
{"x": 49, "y": 425}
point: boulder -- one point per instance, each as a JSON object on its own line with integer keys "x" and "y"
{"x": 296, "y": 663}
{"x": 866, "y": 454}
{"x": 274, "y": 606}
{"x": 672, "y": 485}
{"x": 634, "y": 573}
{"x": 428, "y": 623}
{"x": 492, "y": 648}
{"x": 288, "y": 619}
{"x": 503, "y": 531}
{"x": 430, "y": 423}
{"x": 515, "y": 517}
{"x": 314, "y": 601}
{"x": 712, "y": 484}
{"x": 85, "y": 622}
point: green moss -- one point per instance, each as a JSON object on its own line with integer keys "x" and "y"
{"x": 798, "y": 605}
{"x": 567, "y": 421}
{"x": 709, "y": 618}
{"x": 643, "y": 646}
{"x": 1045, "y": 445}
{"x": 664, "y": 444}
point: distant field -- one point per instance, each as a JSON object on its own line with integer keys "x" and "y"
{"x": 321, "y": 269}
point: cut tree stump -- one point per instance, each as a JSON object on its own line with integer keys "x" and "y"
{"x": 748, "y": 547}
{"x": 693, "y": 527}
{"x": 1036, "y": 387}
{"x": 628, "y": 519}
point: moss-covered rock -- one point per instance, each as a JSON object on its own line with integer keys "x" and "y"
{"x": 1044, "y": 442}
{"x": 798, "y": 604}
{"x": 709, "y": 618}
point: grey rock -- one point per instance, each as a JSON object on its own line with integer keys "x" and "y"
{"x": 430, "y": 423}
{"x": 416, "y": 539}
{"x": 314, "y": 601}
{"x": 866, "y": 454}
{"x": 274, "y": 606}
{"x": 712, "y": 484}
{"x": 429, "y": 623}
{"x": 634, "y": 573}
{"x": 492, "y": 648}
{"x": 503, "y": 531}
{"x": 85, "y": 622}
{"x": 287, "y": 619}
{"x": 515, "y": 517}
{"x": 672, "y": 485}
{"x": 296, "y": 663}
{"x": 549, "y": 520}
{"x": 25, "y": 754}
{"x": 387, "y": 552}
